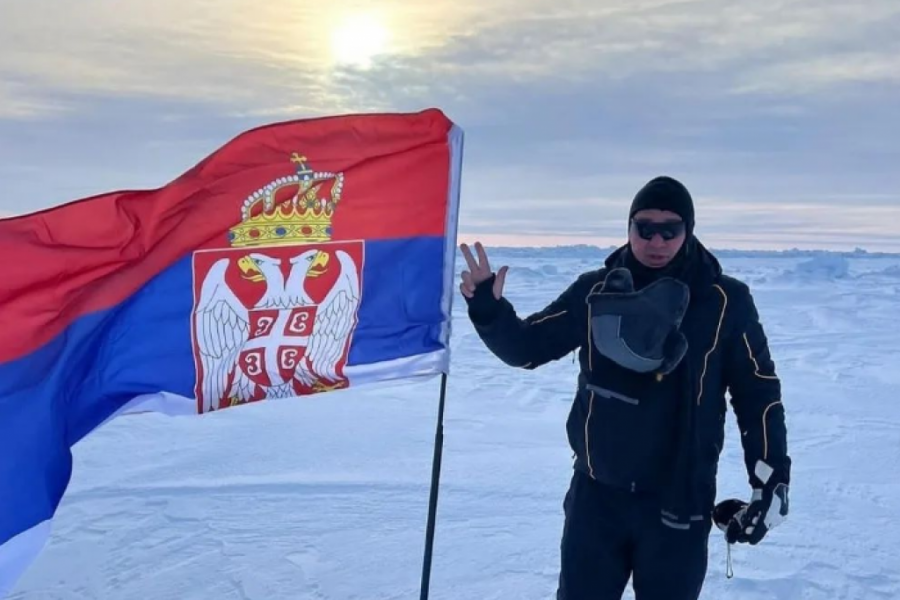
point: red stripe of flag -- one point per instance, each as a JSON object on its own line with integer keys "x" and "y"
{"x": 91, "y": 254}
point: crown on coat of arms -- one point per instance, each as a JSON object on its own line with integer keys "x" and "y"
{"x": 293, "y": 209}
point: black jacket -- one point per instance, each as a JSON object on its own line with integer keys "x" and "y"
{"x": 656, "y": 433}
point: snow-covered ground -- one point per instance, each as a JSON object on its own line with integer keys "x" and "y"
{"x": 327, "y": 497}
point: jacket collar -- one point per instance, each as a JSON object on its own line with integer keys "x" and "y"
{"x": 699, "y": 268}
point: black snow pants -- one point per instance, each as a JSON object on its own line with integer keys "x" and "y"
{"x": 612, "y": 534}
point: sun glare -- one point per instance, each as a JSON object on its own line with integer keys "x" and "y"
{"x": 358, "y": 39}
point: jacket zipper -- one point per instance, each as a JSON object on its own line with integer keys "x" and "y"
{"x": 587, "y": 436}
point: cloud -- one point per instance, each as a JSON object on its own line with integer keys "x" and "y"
{"x": 817, "y": 74}
{"x": 18, "y": 101}
{"x": 274, "y": 56}
{"x": 569, "y": 106}
{"x": 722, "y": 222}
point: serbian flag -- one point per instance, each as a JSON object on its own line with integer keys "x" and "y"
{"x": 298, "y": 258}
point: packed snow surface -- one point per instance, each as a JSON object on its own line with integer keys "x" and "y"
{"x": 327, "y": 497}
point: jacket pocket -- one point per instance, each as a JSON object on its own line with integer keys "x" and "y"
{"x": 607, "y": 393}
{"x": 611, "y": 431}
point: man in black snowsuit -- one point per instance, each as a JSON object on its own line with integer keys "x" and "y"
{"x": 661, "y": 335}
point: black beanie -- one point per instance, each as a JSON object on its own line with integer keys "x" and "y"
{"x": 666, "y": 193}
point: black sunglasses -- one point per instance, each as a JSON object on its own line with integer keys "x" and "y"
{"x": 668, "y": 230}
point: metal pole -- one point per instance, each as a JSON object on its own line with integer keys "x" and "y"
{"x": 435, "y": 478}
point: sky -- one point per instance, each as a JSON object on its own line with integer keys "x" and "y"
{"x": 779, "y": 116}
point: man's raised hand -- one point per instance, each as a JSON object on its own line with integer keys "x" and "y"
{"x": 479, "y": 271}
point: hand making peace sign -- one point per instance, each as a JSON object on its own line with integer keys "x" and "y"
{"x": 480, "y": 271}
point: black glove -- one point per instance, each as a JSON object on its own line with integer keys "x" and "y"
{"x": 483, "y": 307}
{"x": 639, "y": 330}
{"x": 749, "y": 523}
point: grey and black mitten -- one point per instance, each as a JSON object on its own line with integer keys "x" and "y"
{"x": 768, "y": 507}
{"x": 639, "y": 330}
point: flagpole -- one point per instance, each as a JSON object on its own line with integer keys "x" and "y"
{"x": 435, "y": 478}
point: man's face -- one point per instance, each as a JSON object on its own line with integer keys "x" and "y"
{"x": 666, "y": 236}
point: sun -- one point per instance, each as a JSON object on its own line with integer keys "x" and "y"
{"x": 358, "y": 39}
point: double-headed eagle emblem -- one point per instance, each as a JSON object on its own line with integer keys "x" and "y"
{"x": 264, "y": 325}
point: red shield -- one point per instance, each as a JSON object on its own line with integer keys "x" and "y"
{"x": 268, "y": 303}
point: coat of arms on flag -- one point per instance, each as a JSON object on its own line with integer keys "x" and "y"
{"x": 274, "y": 313}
